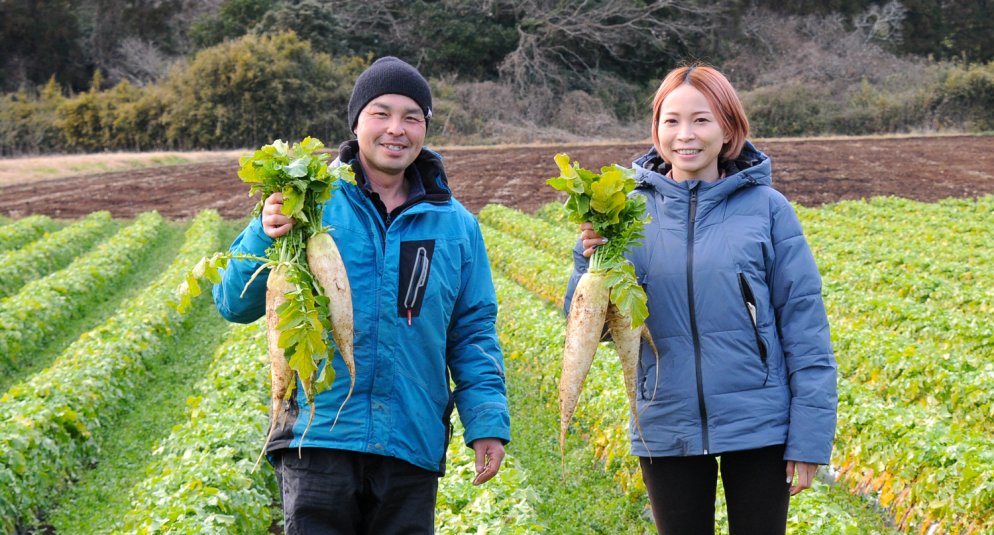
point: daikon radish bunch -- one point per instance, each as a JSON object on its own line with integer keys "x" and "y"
{"x": 608, "y": 293}
{"x": 307, "y": 292}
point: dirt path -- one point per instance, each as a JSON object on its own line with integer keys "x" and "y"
{"x": 810, "y": 172}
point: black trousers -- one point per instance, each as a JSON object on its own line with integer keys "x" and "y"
{"x": 332, "y": 492}
{"x": 682, "y": 492}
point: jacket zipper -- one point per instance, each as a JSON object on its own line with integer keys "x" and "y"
{"x": 411, "y": 297}
{"x": 693, "y": 320}
{"x": 750, "y": 303}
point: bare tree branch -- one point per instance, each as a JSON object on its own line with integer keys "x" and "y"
{"x": 558, "y": 39}
{"x": 139, "y": 62}
{"x": 882, "y": 23}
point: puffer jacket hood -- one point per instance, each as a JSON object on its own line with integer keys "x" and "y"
{"x": 751, "y": 168}
{"x": 735, "y": 309}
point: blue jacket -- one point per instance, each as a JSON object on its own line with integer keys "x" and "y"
{"x": 735, "y": 309}
{"x": 425, "y": 311}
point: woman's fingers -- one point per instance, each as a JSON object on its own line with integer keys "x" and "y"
{"x": 800, "y": 475}
{"x": 590, "y": 238}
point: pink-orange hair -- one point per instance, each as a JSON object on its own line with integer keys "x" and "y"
{"x": 721, "y": 96}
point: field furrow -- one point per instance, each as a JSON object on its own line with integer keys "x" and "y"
{"x": 199, "y": 478}
{"x": 48, "y": 423}
{"x": 31, "y": 316}
{"x": 99, "y": 496}
{"x": 51, "y": 252}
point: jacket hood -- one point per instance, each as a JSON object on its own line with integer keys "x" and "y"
{"x": 751, "y": 168}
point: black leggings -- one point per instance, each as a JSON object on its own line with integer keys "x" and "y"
{"x": 682, "y": 492}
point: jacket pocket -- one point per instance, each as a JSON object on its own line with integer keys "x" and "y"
{"x": 415, "y": 265}
{"x": 749, "y": 301}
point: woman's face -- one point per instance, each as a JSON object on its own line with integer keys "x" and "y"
{"x": 690, "y": 138}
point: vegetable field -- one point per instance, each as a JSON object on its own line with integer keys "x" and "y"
{"x": 118, "y": 415}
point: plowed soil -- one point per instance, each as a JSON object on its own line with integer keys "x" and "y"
{"x": 808, "y": 171}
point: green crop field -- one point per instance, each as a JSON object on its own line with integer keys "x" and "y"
{"x": 118, "y": 415}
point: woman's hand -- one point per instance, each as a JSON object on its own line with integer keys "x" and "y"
{"x": 274, "y": 223}
{"x": 805, "y": 476}
{"x": 591, "y": 239}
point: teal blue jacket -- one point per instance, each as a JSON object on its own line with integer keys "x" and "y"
{"x": 736, "y": 311}
{"x": 425, "y": 311}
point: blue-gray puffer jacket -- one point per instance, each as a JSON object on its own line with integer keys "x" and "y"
{"x": 735, "y": 309}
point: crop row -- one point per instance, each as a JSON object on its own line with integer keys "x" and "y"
{"x": 903, "y": 450}
{"x": 51, "y": 252}
{"x": 907, "y": 286}
{"x": 33, "y": 314}
{"x": 49, "y": 422}
{"x": 24, "y": 231}
{"x": 910, "y": 298}
{"x": 201, "y": 479}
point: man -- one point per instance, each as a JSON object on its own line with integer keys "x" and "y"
{"x": 425, "y": 311}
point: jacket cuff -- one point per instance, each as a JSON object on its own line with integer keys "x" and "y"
{"x": 811, "y": 434}
{"x": 256, "y": 239}
{"x": 489, "y": 420}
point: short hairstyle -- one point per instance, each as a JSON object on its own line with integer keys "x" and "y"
{"x": 721, "y": 96}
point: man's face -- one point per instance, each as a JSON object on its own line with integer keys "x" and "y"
{"x": 391, "y": 132}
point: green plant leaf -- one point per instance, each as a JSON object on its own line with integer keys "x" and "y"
{"x": 325, "y": 378}
{"x": 293, "y": 201}
{"x": 298, "y": 167}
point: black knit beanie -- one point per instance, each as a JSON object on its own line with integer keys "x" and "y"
{"x": 389, "y": 75}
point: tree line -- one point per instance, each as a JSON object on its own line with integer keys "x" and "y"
{"x": 142, "y": 74}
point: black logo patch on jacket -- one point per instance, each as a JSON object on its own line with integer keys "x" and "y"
{"x": 415, "y": 266}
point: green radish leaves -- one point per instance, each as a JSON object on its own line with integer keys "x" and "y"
{"x": 598, "y": 198}
{"x": 626, "y": 294}
{"x": 603, "y": 200}
{"x": 301, "y": 174}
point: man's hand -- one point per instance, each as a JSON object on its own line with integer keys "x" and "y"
{"x": 489, "y": 454}
{"x": 274, "y": 223}
{"x": 805, "y": 476}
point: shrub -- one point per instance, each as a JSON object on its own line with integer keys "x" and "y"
{"x": 27, "y": 121}
{"x": 965, "y": 98}
{"x": 249, "y": 91}
{"x": 140, "y": 123}
{"x": 89, "y": 121}
{"x": 788, "y": 109}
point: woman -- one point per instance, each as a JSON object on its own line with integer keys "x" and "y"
{"x": 746, "y": 377}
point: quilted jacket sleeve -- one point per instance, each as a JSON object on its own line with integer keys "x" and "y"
{"x": 228, "y": 297}
{"x": 795, "y": 289}
{"x": 474, "y": 355}
{"x": 580, "y": 265}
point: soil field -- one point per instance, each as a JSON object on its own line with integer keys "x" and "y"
{"x": 808, "y": 171}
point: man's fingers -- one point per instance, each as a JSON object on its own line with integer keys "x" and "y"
{"x": 488, "y": 471}
{"x": 481, "y": 459}
{"x": 281, "y": 230}
{"x": 274, "y": 223}
{"x": 488, "y": 462}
